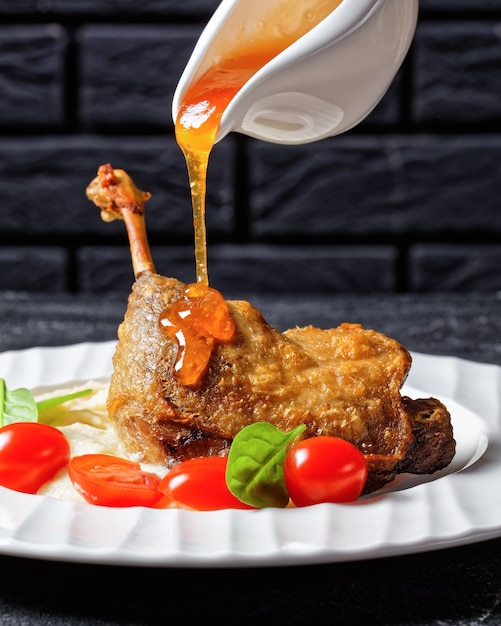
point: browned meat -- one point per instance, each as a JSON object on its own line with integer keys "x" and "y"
{"x": 343, "y": 381}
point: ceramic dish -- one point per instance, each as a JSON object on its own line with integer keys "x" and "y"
{"x": 460, "y": 505}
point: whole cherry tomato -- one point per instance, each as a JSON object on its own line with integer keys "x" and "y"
{"x": 112, "y": 481}
{"x": 201, "y": 484}
{"x": 31, "y": 454}
{"x": 324, "y": 469}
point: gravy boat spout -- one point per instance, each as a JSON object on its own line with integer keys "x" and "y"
{"x": 322, "y": 84}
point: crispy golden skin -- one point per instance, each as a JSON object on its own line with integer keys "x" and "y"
{"x": 344, "y": 382}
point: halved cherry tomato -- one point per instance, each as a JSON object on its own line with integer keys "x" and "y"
{"x": 112, "y": 481}
{"x": 31, "y": 454}
{"x": 201, "y": 484}
{"x": 324, "y": 469}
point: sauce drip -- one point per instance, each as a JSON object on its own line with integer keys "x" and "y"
{"x": 254, "y": 34}
{"x": 196, "y": 321}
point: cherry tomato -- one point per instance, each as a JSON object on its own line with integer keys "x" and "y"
{"x": 112, "y": 481}
{"x": 31, "y": 454}
{"x": 201, "y": 484}
{"x": 166, "y": 502}
{"x": 324, "y": 469}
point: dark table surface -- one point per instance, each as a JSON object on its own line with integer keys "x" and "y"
{"x": 460, "y": 585}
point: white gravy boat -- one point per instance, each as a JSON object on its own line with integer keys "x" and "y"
{"x": 324, "y": 83}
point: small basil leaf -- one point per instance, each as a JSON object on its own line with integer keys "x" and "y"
{"x": 255, "y": 464}
{"x": 16, "y": 406}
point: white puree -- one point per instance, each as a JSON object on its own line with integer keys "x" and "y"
{"x": 86, "y": 424}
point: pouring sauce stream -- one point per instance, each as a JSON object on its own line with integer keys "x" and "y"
{"x": 254, "y": 34}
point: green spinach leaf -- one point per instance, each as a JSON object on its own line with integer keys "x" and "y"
{"x": 255, "y": 464}
{"x": 19, "y": 405}
{"x": 16, "y": 406}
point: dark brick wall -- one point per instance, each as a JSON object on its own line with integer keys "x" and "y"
{"x": 410, "y": 200}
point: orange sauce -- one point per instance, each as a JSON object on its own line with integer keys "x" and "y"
{"x": 255, "y": 33}
{"x": 196, "y": 321}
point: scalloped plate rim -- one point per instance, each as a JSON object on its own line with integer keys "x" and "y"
{"x": 271, "y": 537}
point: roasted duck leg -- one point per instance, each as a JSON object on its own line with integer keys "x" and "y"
{"x": 343, "y": 381}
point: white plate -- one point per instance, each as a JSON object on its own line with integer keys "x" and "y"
{"x": 462, "y": 507}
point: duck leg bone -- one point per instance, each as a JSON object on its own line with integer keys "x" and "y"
{"x": 113, "y": 191}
